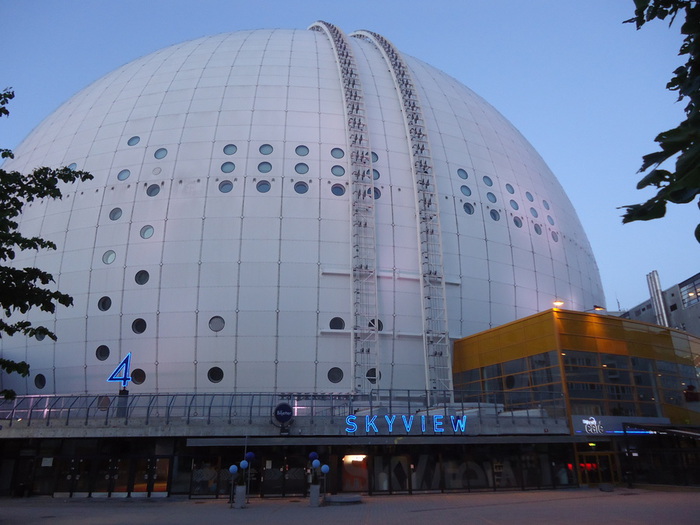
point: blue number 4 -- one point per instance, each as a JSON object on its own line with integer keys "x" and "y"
{"x": 121, "y": 373}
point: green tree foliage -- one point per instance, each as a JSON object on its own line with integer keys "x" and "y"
{"x": 682, "y": 142}
{"x": 24, "y": 288}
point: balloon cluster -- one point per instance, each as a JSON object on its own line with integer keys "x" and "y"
{"x": 234, "y": 469}
{"x": 315, "y": 465}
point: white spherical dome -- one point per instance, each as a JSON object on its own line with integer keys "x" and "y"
{"x": 218, "y": 242}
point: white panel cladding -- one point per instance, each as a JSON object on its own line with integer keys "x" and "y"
{"x": 275, "y": 264}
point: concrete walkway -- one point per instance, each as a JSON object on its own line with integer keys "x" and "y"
{"x": 576, "y": 506}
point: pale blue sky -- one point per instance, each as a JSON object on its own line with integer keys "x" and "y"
{"x": 586, "y": 90}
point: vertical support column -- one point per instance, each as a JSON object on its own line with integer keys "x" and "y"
{"x": 438, "y": 360}
{"x": 364, "y": 261}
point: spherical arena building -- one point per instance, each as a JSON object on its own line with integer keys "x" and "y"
{"x": 287, "y": 211}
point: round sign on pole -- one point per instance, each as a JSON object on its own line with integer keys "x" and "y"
{"x": 283, "y": 413}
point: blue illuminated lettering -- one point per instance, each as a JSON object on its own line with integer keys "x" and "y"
{"x": 390, "y": 422}
{"x": 351, "y": 425}
{"x": 369, "y": 423}
{"x": 459, "y": 424}
{"x": 422, "y": 423}
{"x": 121, "y": 373}
{"x": 437, "y": 424}
{"x": 407, "y": 424}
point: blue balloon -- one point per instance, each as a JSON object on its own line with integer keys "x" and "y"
{"x": 315, "y": 463}
{"x": 250, "y": 456}
{"x": 233, "y": 469}
{"x": 325, "y": 469}
{"x": 244, "y": 464}
{"x": 313, "y": 455}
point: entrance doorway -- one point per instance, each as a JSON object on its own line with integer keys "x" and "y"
{"x": 598, "y": 467}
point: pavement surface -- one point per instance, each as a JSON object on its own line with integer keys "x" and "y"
{"x": 575, "y": 506}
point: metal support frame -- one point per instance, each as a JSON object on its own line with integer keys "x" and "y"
{"x": 364, "y": 260}
{"x": 438, "y": 360}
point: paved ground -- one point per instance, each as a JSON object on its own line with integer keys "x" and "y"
{"x": 575, "y": 506}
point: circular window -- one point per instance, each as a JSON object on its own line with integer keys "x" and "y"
{"x": 372, "y": 375}
{"x": 468, "y": 208}
{"x": 72, "y": 166}
{"x": 39, "y": 337}
{"x": 518, "y": 222}
{"x": 102, "y": 352}
{"x": 337, "y": 323}
{"x": 115, "y": 214}
{"x": 215, "y": 374}
{"x": 301, "y": 168}
{"x": 338, "y": 189}
{"x": 146, "y": 232}
{"x": 545, "y": 204}
{"x": 230, "y": 149}
{"x": 142, "y": 277}
{"x": 123, "y": 175}
{"x": 529, "y": 196}
{"x": 550, "y": 220}
{"x": 301, "y": 187}
{"x": 555, "y": 237}
{"x": 514, "y": 204}
{"x": 153, "y": 190}
{"x": 139, "y": 326}
{"x": 466, "y": 191}
{"x": 160, "y": 153}
{"x": 462, "y": 174}
{"x": 133, "y": 141}
{"x": 487, "y": 180}
{"x": 377, "y": 193}
{"x": 375, "y": 174}
{"x": 491, "y": 197}
{"x": 533, "y": 211}
{"x": 337, "y": 153}
{"x": 138, "y": 376}
{"x": 302, "y": 151}
{"x": 225, "y": 186}
{"x": 228, "y": 167}
{"x": 104, "y": 304}
{"x": 495, "y": 215}
{"x": 264, "y": 167}
{"x": 338, "y": 171}
{"x": 375, "y": 157}
{"x": 510, "y": 189}
{"x": 109, "y": 256}
{"x": 379, "y": 324}
{"x": 265, "y": 149}
{"x": 335, "y": 375}
{"x": 538, "y": 229}
{"x": 263, "y": 186}
{"x": 40, "y": 381}
{"x": 216, "y": 323}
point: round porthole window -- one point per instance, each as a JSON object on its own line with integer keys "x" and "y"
{"x": 375, "y": 174}
{"x": 375, "y": 157}
{"x": 514, "y": 204}
{"x": 495, "y": 215}
{"x": 337, "y": 323}
{"x": 153, "y": 190}
{"x": 468, "y": 208}
{"x": 138, "y": 376}
{"x": 338, "y": 189}
{"x": 40, "y": 381}
{"x": 265, "y": 149}
{"x": 230, "y": 149}
{"x": 216, "y": 323}
{"x": 372, "y": 375}
{"x": 109, "y": 256}
{"x": 465, "y": 190}
{"x": 39, "y": 337}
{"x": 115, "y": 214}
{"x": 215, "y": 374}
{"x": 301, "y": 168}
{"x": 264, "y": 167}
{"x": 142, "y": 277}
{"x": 104, "y": 304}
{"x": 146, "y": 232}
{"x": 139, "y": 326}
{"x": 301, "y": 187}
{"x": 462, "y": 174}
{"x": 160, "y": 153}
{"x": 491, "y": 197}
{"x": 228, "y": 167}
{"x": 379, "y": 324}
{"x": 529, "y": 196}
{"x": 534, "y": 213}
{"x": 338, "y": 171}
{"x": 510, "y": 189}
{"x": 487, "y": 180}
{"x": 302, "y": 151}
{"x": 538, "y": 229}
{"x": 545, "y": 204}
{"x": 133, "y": 141}
{"x": 555, "y": 237}
{"x": 335, "y": 375}
{"x": 123, "y": 175}
{"x": 225, "y": 186}
{"x": 518, "y": 222}
{"x": 337, "y": 153}
{"x": 72, "y": 166}
{"x": 550, "y": 220}
{"x": 102, "y": 353}
{"x": 263, "y": 186}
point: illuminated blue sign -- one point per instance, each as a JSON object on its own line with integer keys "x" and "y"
{"x": 121, "y": 373}
{"x": 389, "y": 423}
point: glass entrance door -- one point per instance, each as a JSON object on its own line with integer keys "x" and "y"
{"x": 599, "y": 467}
